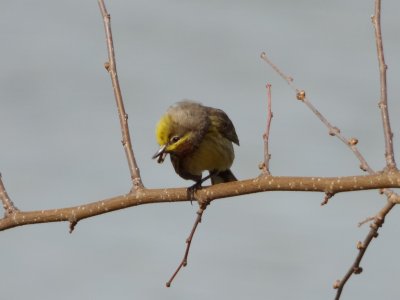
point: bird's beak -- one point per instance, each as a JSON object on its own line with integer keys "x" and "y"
{"x": 161, "y": 154}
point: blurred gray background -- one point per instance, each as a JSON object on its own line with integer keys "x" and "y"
{"x": 60, "y": 146}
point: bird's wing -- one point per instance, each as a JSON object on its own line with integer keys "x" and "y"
{"x": 224, "y": 125}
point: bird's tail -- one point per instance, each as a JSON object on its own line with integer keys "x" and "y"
{"x": 223, "y": 176}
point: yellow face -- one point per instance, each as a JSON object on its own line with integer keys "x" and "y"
{"x": 169, "y": 140}
{"x": 162, "y": 130}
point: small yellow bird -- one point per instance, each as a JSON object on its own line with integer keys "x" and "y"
{"x": 197, "y": 138}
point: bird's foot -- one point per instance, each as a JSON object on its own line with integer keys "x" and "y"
{"x": 192, "y": 190}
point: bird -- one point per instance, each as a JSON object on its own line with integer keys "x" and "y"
{"x": 198, "y": 138}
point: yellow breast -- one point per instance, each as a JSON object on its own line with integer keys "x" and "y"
{"x": 215, "y": 152}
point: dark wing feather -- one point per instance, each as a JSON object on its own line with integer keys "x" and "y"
{"x": 223, "y": 124}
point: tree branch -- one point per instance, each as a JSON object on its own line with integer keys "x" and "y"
{"x": 207, "y": 194}
{"x": 184, "y": 260}
{"x": 332, "y": 130}
{"x": 351, "y": 143}
{"x": 111, "y": 67}
{"x": 389, "y": 155}
{"x": 8, "y": 205}
{"x": 362, "y": 248}
{"x": 267, "y": 155}
{"x": 383, "y": 103}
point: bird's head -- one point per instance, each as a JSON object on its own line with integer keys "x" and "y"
{"x": 180, "y": 129}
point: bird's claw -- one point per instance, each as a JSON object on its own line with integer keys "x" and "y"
{"x": 192, "y": 189}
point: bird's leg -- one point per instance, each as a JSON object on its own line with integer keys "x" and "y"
{"x": 205, "y": 178}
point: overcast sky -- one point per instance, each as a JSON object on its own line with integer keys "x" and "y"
{"x": 60, "y": 146}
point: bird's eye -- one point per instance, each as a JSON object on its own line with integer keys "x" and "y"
{"x": 174, "y": 139}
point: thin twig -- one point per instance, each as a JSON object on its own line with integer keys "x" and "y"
{"x": 111, "y": 67}
{"x": 365, "y": 221}
{"x": 389, "y": 155}
{"x": 184, "y": 261}
{"x": 351, "y": 143}
{"x": 383, "y": 102}
{"x": 326, "y": 198}
{"x": 8, "y": 205}
{"x": 72, "y": 225}
{"x": 362, "y": 248}
{"x": 288, "y": 79}
{"x": 332, "y": 130}
{"x": 267, "y": 155}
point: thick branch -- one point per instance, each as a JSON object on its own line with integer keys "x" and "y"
{"x": 260, "y": 184}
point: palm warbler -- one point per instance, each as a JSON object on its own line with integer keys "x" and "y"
{"x": 197, "y": 138}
